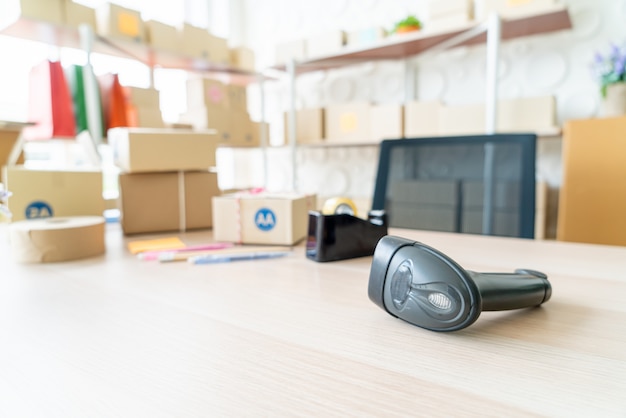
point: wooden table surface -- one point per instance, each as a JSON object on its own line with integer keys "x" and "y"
{"x": 113, "y": 336}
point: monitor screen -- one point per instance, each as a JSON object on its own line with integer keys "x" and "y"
{"x": 481, "y": 184}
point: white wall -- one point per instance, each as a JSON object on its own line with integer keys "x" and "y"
{"x": 552, "y": 64}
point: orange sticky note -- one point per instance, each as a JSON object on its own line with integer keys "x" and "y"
{"x": 128, "y": 24}
{"x": 173, "y": 243}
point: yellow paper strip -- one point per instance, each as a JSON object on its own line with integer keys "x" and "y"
{"x": 173, "y": 243}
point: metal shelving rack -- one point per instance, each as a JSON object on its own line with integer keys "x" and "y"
{"x": 84, "y": 38}
{"x": 491, "y": 32}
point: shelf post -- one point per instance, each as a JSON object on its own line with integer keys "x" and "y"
{"x": 291, "y": 69}
{"x": 494, "y": 28}
{"x": 409, "y": 80}
{"x": 263, "y": 133}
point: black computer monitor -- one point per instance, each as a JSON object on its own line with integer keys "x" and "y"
{"x": 483, "y": 184}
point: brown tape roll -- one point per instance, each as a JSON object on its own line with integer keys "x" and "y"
{"x": 339, "y": 205}
{"x": 57, "y": 239}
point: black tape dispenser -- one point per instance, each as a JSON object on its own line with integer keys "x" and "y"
{"x": 336, "y": 233}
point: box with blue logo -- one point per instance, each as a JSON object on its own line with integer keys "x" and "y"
{"x": 262, "y": 218}
{"x": 46, "y": 193}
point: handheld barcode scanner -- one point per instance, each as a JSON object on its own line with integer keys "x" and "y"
{"x": 424, "y": 287}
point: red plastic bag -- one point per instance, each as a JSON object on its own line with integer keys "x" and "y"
{"x": 50, "y": 103}
{"x": 118, "y": 109}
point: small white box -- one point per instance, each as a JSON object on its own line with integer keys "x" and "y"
{"x": 347, "y": 122}
{"x": 263, "y": 218}
{"x": 365, "y": 37}
{"x": 438, "y": 8}
{"x": 512, "y": 8}
{"x": 323, "y": 44}
{"x": 421, "y": 119}
{"x": 386, "y": 122}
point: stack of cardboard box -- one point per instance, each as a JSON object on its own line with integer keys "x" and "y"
{"x": 166, "y": 183}
{"x": 212, "y": 104}
{"x": 364, "y": 122}
{"x": 348, "y": 122}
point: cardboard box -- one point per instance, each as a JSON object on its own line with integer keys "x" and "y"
{"x": 143, "y": 97}
{"x": 386, "y": 122}
{"x": 45, "y": 193}
{"x": 328, "y": 43}
{"x": 421, "y": 119}
{"x": 161, "y": 202}
{"x": 194, "y": 41}
{"x": 205, "y": 92}
{"x": 506, "y": 194}
{"x": 76, "y": 14}
{"x": 425, "y": 192}
{"x": 278, "y": 219}
{"x": 512, "y": 8}
{"x": 445, "y": 22}
{"x": 162, "y": 36}
{"x": 145, "y": 150}
{"x": 242, "y": 133}
{"x": 47, "y": 11}
{"x": 529, "y": 114}
{"x": 447, "y": 7}
{"x": 120, "y": 22}
{"x": 203, "y": 118}
{"x": 309, "y": 126}
{"x": 147, "y": 117}
{"x": 365, "y": 37}
{"x": 258, "y": 131}
{"x": 348, "y": 122}
{"x": 462, "y": 119}
{"x": 218, "y": 50}
{"x": 287, "y": 51}
{"x": 242, "y": 58}
{"x": 592, "y": 199}
{"x": 430, "y": 218}
{"x": 506, "y": 203}
{"x": 200, "y": 43}
{"x": 8, "y": 140}
{"x": 237, "y": 97}
{"x": 424, "y": 204}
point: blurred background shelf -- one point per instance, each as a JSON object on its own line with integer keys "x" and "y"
{"x": 411, "y": 44}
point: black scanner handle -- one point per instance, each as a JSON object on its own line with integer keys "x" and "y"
{"x": 505, "y": 291}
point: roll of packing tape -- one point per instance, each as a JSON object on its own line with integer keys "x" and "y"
{"x": 51, "y": 240}
{"x": 338, "y": 206}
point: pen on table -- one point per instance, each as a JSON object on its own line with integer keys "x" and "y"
{"x": 218, "y": 258}
{"x": 184, "y": 256}
{"x": 154, "y": 255}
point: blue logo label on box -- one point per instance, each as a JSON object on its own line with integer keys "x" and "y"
{"x": 265, "y": 219}
{"x": 38, "y": 209}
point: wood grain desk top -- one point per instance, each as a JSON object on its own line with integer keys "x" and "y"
{"x": 116, "y": 337}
